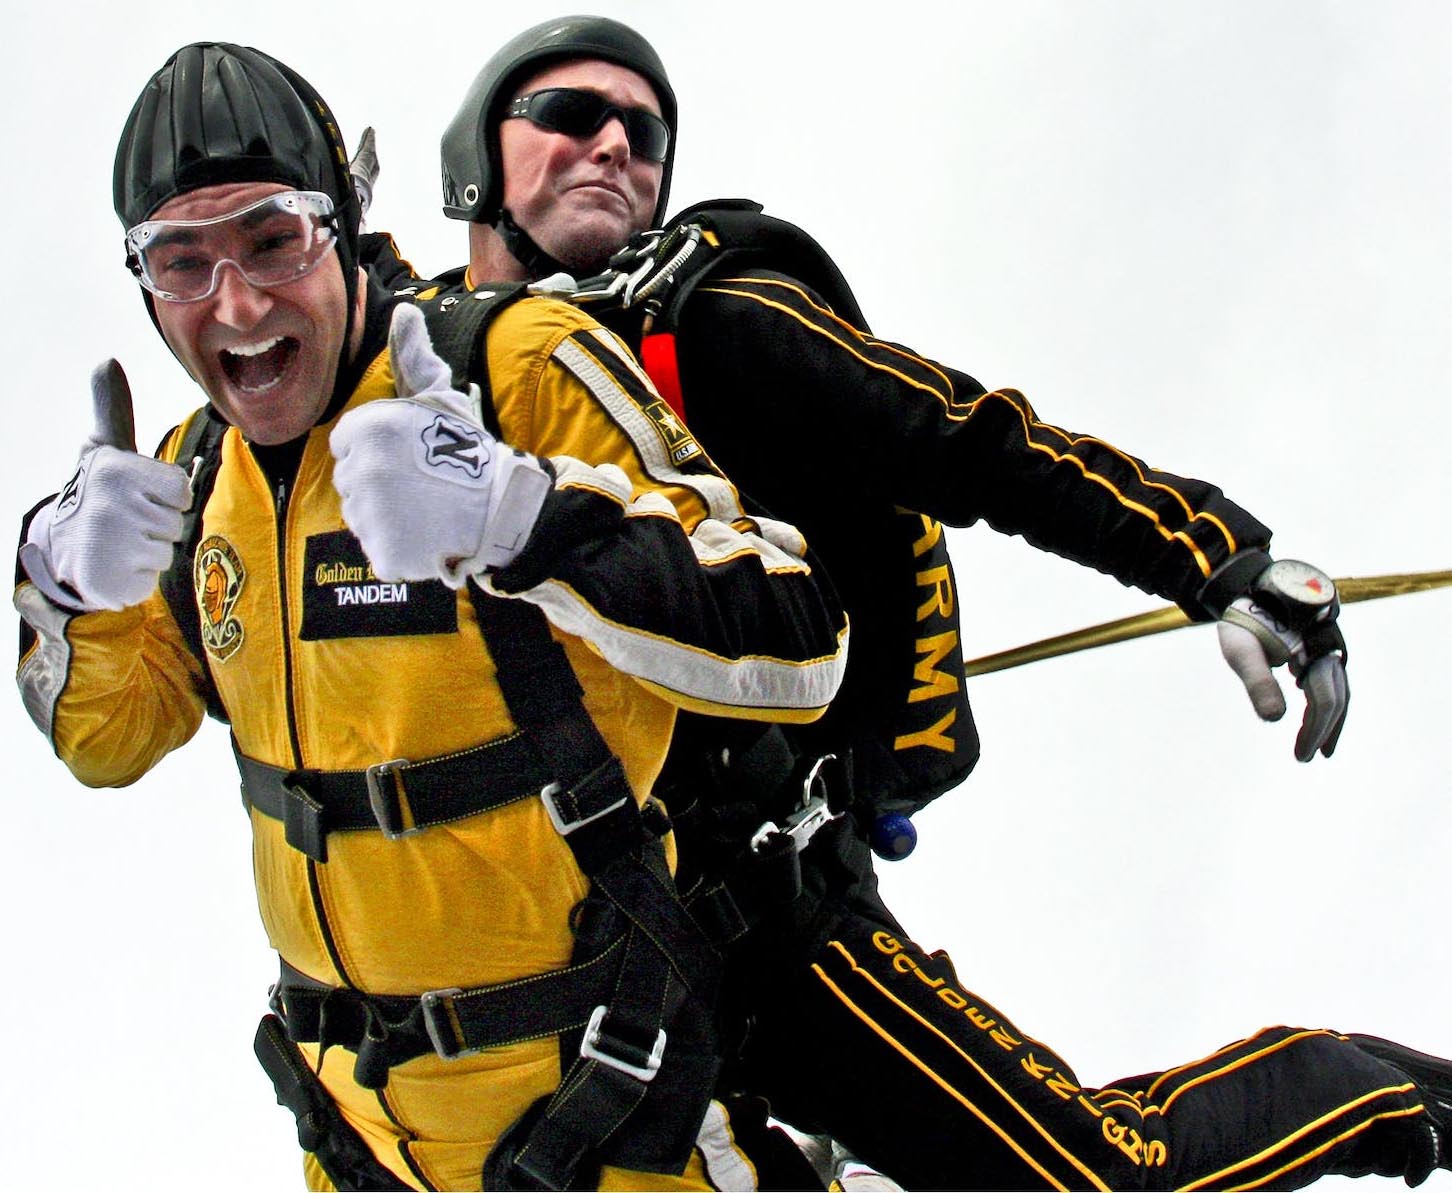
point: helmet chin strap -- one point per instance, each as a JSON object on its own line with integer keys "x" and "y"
{"x": 537, "y": 263}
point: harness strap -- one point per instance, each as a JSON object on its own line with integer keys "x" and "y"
{"x": 590, "y": 802}
{"x": 633, "y": 1011}
{"x": 650, "y": 1053}
{"x": 644, "y": 892}
{"x": 746, "y": 869}
{"x": 397, "y": 797}
{"x": 758, "y": 884}
{"x": 742, "y": 233}
{"x": 596, "y": 812}
{"x": 200, "y": 452}
{"x": 321, "y": 1128}
{"x": 390, "y": 1029}
{"x": 458, "y": 326}
{"x": 626, "y": 1070}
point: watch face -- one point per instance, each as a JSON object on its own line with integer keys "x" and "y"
{"x": 1292, "y": 580}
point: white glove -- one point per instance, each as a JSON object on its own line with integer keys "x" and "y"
{"x": 104, "y": 541}
{"x": 1285, "y": 620}
{"x": 466, "y": 504}
{"x": 363, "y": 166}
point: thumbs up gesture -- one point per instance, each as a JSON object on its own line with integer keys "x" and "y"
{"x": 429, "y": 492}
{"x": 108, "y": 535}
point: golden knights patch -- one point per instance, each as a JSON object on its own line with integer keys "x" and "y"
{"x": 218, "y": 576}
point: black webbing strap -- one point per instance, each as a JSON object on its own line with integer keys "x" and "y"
{"x": 746, "y": 236}
{"x": 633, "y": 1097}
{"x": 397, "y": 797}
{"x": 757, "y": 884}
{"x": 592, "y": 804}
{"x": 722, "y": 785}
{"x": 385, "y": 1030}
{"x": 640, "y": 1058}
{"x": 200, "y": 453}
{"x": 605, "y": 1085}
{"x": 458, "y": 323}
{"x": 321, "y": 1128}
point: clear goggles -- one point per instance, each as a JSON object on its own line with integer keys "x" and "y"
{"x": 272, "y": 242}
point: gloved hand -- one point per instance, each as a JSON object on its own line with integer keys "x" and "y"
{"x": 428, "y": 491}
{"x": 363, "y": 167}
{"x": 1289, "y": 616}
{"x": 104, "y": 541}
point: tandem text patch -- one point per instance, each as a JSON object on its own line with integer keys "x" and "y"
{"x": 342, "y": 598}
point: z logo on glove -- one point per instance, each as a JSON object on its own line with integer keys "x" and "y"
{"x": 70, "y": 497}
{"x": 448, "y": 442}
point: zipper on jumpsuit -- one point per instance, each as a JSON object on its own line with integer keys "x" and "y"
{"x": 314, "y": 890}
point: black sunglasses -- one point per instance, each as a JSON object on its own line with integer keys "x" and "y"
{"x": 580, "y": 113}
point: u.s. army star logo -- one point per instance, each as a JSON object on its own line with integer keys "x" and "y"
{"x": 679, "y": 442}
{"x": 218, "y": 576}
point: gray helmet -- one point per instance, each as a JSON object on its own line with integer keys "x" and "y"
{"x": 472, "y": 172}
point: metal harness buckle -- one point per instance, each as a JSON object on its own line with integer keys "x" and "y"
{"x": 384, "y": 800}
{"x": 562, "y": 825}
{"x": 815, "y": 811}
{"x": 590, "y": 1048}
{"x": 443, "y": 1032}
{"x": 633, "y": 275}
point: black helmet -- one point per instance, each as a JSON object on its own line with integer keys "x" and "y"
{"x": 472, "y": 174}
{"x": 218, "y": 113}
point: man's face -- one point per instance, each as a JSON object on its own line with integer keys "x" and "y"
{"x": 580, "y": 198}
{"x": 267, "y": 357}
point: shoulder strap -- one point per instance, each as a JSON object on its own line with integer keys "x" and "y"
{"x": 704, "y": 241}
{"x": 740, "y": 233}
{"x": 669, "y": 975}
{"x": 458, "y": 323}
{"x": 200, "y": 451}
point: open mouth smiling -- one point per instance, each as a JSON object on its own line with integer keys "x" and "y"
{"x": 256, "y": 368}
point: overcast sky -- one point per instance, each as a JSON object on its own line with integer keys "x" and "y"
{"x": 1216, "y": 235}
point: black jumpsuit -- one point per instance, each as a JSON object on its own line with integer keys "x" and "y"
{"x": 854, "y": 1031}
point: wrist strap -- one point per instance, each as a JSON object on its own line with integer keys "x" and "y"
{"x": 520, "y": 488}
{"x": 1231, "y": 579}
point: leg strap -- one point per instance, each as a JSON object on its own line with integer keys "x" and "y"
{"x": 638, "y": 1079}
{"x": 321, "y": 1128}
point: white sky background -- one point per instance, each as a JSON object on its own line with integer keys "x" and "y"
{"x": 1215, "y": 235}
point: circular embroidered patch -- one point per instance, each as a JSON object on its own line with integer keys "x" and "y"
{"x": 218, "y": 576}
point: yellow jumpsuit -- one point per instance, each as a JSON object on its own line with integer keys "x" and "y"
{"x": 309, "y": 679}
